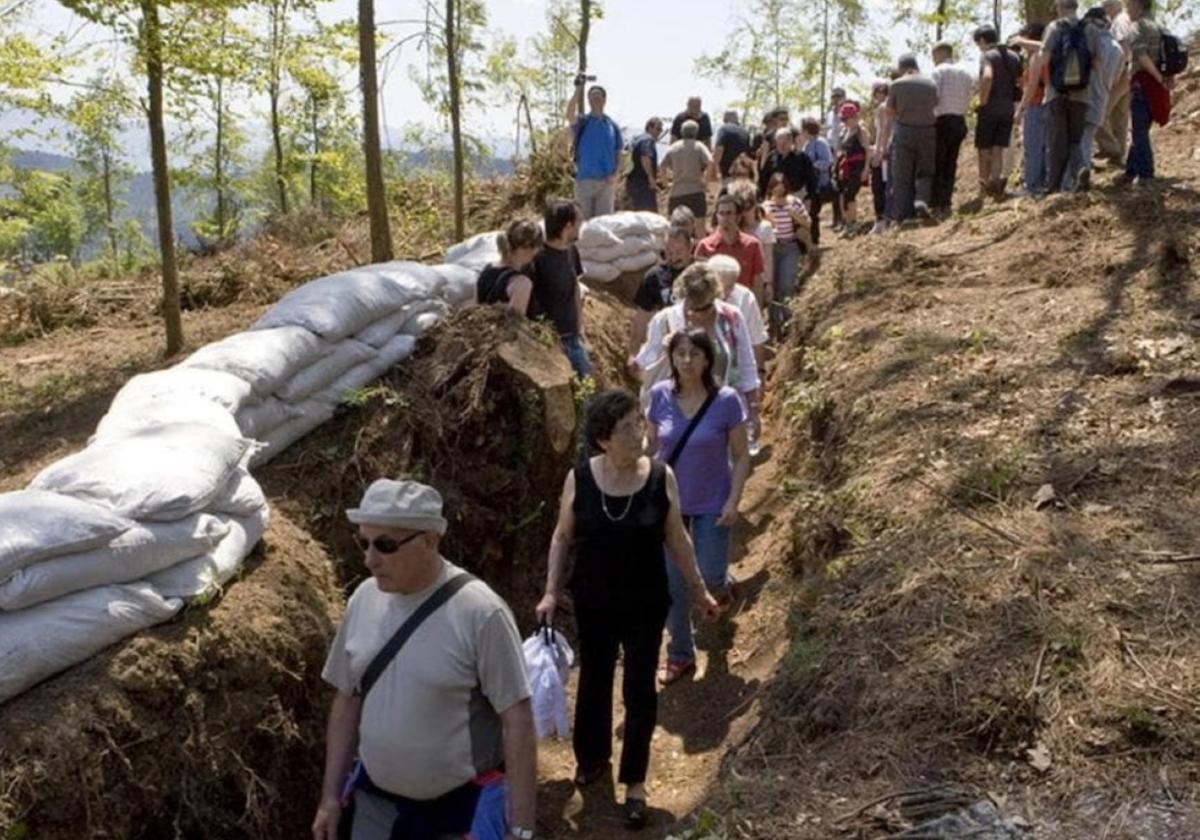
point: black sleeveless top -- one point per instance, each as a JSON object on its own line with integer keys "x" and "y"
{"x": 620, "y": 565}
{"x": 492, "y": 285}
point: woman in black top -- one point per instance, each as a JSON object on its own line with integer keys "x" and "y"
{"x": 618, "y": 509}
{"x": 508, "y": 281}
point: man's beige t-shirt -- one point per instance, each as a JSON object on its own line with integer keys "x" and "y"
{"x": 688, "y": 160}
{"x": 430, "y": 724}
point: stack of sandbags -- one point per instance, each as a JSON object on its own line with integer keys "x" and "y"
{"x": 475, "y": 253}
{"x": 618, "y": 243}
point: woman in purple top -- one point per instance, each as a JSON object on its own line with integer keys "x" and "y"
{"x": 711, "y": 468}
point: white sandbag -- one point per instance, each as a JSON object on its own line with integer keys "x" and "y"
{"x": 385, "y": 329}
{"x": 476, "y": 252}
{"x": 548, "y": 660}
{"x": 224, "y": 389}
{"x": 38, "y": 642}
{"x": 428, "y": 282}
{"x": 460, "y": 283}
{"x": 161, "y": 474}
{"x": 325, "y": 370}
{"x": 594, "y": 235}
{"x": 200, "y": 578}
{"x": 600, "y": 272}
{"x": 628, "y": 247}
{"x": 637, "y": 262}
{"x": 265, "y": 358}
{"x": 341, "y": 304}
{"x": 259, "y": 419}
{"x": 36, "y": 524}
{"x": 359, "y": 376}
{"x": 655, "y": 224}
{"x": 313, "y": 412}
{"x": 130, "y": 417}
{"x": 242, "y": 495}
{"x": 142, "y": 550}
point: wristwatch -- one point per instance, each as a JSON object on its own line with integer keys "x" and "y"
{"x": 521, "y": 833}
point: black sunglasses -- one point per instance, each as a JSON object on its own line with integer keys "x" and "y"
{"x": 384, "y": 545}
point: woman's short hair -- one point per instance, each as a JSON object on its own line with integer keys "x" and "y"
{"x": 604, "y": 412}
{"x": 690, "y": 130}
{"x": 699, "y": 339}
{"x": 520, "y": 233}
{"x": 683, "y": 217}
{"x": 743, "y": 167}
{"x": 776, "y": 179}
{"x": 725, "y": 267}
{"x": 698, "y": 286}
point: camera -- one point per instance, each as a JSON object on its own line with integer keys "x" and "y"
{"x": 581, "y": 79}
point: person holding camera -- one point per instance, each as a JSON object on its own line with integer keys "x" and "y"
{"x": 597, "y": 150}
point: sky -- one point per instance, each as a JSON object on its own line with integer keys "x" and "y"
{"x": 642, "y": 51}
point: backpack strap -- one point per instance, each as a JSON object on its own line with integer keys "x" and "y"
{"x": 427, "y": 608}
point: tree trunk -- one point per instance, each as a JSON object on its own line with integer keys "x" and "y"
{"x": 824, "y": 54}
{"x": 585, "y": 29}
{"x": 452, "y": 68}
{"x": 941, "y": 19}
{"x": 381, "y": 236}
{"x": 110, "y": 222}
{"x": 997, "y": 17}
{"x": 152, "y": 34}
{"x": 219, "y": 163}
{"x": 314, "y": 197}
{"x": 274, "y": 89}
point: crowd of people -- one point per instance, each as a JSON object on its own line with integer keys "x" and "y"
{"x": 441, "y": 743}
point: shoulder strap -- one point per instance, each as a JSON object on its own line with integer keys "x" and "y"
{"x": 427, "y": 608}
{"x": 687, "y": 433}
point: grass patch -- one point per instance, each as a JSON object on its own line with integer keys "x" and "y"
{"x": 989, "y": 479}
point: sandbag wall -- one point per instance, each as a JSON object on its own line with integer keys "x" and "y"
{"x": 160, "y": 508}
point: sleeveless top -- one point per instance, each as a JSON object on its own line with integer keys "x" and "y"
{"x": 620, "y": 565}
{"x": 492, "y": 285}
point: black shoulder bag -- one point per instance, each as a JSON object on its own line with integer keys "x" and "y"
{"x": 691, "y": 427}
{"x": 384, "y": 658}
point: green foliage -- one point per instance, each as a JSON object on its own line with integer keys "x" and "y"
{"x": 385, "y": 394}
{"x": 44, "y": 219}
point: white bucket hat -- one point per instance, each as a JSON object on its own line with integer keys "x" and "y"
{"x": 400, "y": 504}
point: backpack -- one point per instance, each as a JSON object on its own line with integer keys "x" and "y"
{"x": 1071, "y": 61}
{"x": 1172, "y": 55}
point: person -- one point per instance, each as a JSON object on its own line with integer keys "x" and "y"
{"x": 729, "y": 239}
{"x": 1066, "y": 107}
{"x": 597, "y": 148}
{"x": 817, "y": 149}
{"x": 641, "y": 184}
{"x": 999, "y": 91}
{"x": 833, "y": 136}
{"x": 618, "y": 509}
{"x": 796, "y": 166}
{"x": 695, "y": 113}
{"x": 764, "y": 140}
{"x": 1148, "y": 91}
{"x": 1109, "y": 62}
{"x": 687, "y": 160}
{"x": 683, "y": 217}
{"x": 789, "y": 218}
{"x": 911, "y": 137}
{"x": 698, "y": 303}
{"x": 753, "y": 221}
{"x": 1031, "y": 113}
{"x": 851, "y": 164}
{"x": 732, "y": 143}
{"x": 508, "y": 282}
{"x": 955, "y": 87}
{"x": 878, "y": 158}
{"x": 657, "y": 287}
{"x": 557, "y": 295}
{"x": 448, "y": 725}
{"x": 1112, "y": 138}
{"x": 712, "y": 465}
{"x": 735, "y": 294}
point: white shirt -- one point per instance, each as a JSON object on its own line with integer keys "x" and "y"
{"x": 747, "y": 304}
{"x": 955, "y": 85}
{"x": 655, "y": 366}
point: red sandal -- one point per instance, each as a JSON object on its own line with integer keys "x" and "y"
{"x": 675, "y": 669}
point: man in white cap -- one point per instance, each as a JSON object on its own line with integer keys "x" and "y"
{"x": 432, "y": 696}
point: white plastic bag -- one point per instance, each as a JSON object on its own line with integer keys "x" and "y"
{"x": 385, "y": 329}
{"x": 140, "y": 551}
{"x": 200, "y": 578}
{"x": 160, "y": 474}
{"x": 325, "y": 370}
{"x": 38, "y": 642}
{"x": 241, "y": 496}
{"x": 216, "y": 386}
{"x": 37, "y": 524}
{"x": 475, "y": 253}
{"x": 460, "y": 283}
{"x": 341, "y": 304}
{"x": 265, "y": 358}
{"x": 548, "y": 659}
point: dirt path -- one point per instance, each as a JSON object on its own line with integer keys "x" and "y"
{"x": 700, "y": 718}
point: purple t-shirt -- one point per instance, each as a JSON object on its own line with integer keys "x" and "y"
{"x": 703, "y": 469}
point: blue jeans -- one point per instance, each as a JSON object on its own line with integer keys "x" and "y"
{"x": 577, "y": 355}
{"x": 1033, "y": 133}
{"x": 712, "y": 556}
{"x": 1140, "y": 163}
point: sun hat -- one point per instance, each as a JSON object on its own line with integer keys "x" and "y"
{"x": 848, "y": 111}
{"x": 400, "y": 504}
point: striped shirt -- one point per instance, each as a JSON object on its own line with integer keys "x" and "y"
{"x": 955, "y": 86}
{"x": 781, "y": 216}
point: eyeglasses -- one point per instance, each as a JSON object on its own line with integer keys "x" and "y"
{"x": 384, "y": 545}
{"x": 699, "y": 309}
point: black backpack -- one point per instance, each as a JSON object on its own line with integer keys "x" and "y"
{"x": 1071, "y": 61}
{"x": 1172, "y": 55}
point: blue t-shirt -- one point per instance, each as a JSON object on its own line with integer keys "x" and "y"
{"x": 598, "y": 148}
{"x": 644, "y": 146}
{"x": 703, "y": 470}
